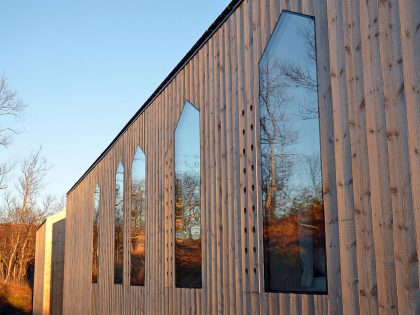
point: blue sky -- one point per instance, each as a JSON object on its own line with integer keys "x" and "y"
{"x": 85, "y": 67}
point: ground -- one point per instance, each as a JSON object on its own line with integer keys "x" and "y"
{"x": 15, "y": 299}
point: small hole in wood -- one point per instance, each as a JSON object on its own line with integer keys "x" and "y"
{"x": 244, "y": 190}
{"x": 243, "y": 113}
{"x": 244, "y": 170}
{"x": 254, "y": 249}
{"x": 243, "y": 150}
{"x": 252, "y": 127}
{"x": 253, "y": 229}
{"x": 252, "y": 147}
{"x": 252, "y": 167}
{"x": 246, "y": 250}
{"x": 252, "y": 187}
{"x": 253, "y": 208}
{"x": 246, "y": 270}
{"x": 255, "y": 270}
{"x": 250, "y": 108}
{"x": 245, "y": 230}
{"x": 244, "y": 210}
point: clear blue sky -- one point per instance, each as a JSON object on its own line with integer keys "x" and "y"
{"x": 85, "y": 67}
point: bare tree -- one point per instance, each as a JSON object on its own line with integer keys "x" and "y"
{"x": 314, "y": 172}
{"x": 301, "y": 75}
{"x": 277, "y": 133}
{"x": 307, "y": 34}
{"x": 187, "y": 202}
{"x": 280, "y": 106}
{"x": 20, "y": 216}
{"x": 5, "y": 168}
{"x": 10, "y": 106}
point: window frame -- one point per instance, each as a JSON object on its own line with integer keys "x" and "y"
{"x": 138, "y": 147}
{"x": 123, "y": 228}
{"x": 264, "y": 276}
{"x": 185, "y": 103}
{"x": 98, "y": 191}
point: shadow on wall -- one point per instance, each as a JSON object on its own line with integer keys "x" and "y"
{"x": 57, "y": 267}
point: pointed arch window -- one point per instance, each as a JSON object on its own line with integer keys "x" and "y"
{"x": 119, "y": 226}
{"x": 95, "y": 234}
{"x": 294, "y": 233}
{"x": 188, "y": 199}
{"x": 138, "y": 218}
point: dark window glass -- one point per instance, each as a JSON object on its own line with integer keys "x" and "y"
{"x": 95, "y": 234}
{"x": 138, "y": 218}
{"x": 294, "y": 236}
{"x": 119, "y": 225}
{"x": 187, "y": 199}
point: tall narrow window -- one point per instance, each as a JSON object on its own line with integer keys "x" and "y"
{"x": 187, "y": 199}
{"x": 138, "y": 218}
{"x": 119, "y": 226}
{"x": 95, "y": 234}
{"x": 294, "y": 236}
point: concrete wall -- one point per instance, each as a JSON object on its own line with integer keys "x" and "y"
{"x": 49, "y": 266}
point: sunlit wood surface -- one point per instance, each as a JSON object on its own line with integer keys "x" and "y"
{"x": 368, "y": 73}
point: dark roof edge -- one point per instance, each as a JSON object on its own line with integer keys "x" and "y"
{"x": 41, "y": 224}
{"x": 190, "y": 54}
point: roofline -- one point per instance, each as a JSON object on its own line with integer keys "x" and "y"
{"x": 233, "y": 5}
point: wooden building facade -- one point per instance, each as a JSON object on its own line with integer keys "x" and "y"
{"x": 367, "y": 73}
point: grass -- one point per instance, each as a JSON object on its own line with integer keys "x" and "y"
{"x": 15, "y": 299}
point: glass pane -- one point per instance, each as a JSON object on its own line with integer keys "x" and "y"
{"x": 138, "y": 218}
{"x": 119, "y": 225}
{"x": 294, "y": 237}
{"x": 187, "y": 199}
{"x": 95, "y": 235}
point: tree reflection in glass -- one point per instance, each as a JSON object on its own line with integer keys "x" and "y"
{"x": 119, "y": 225}
{"x": 294, "y": 237}
{"x": 187, "y": 199}
{"x": 138, "y": 218}
{"x": 95, "y": 234}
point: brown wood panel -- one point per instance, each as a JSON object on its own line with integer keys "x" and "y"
{"x": 344, "y": 179}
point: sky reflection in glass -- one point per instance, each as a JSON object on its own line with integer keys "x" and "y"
{"x": 138, "y": 218}
{"x": 187, "y": 199}
{"x": 294, "y": 237}
{"x": 119, "y": 226}
{"x": 95, "y": 234}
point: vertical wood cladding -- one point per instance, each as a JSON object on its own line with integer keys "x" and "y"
{"x": 368, "y": 60}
